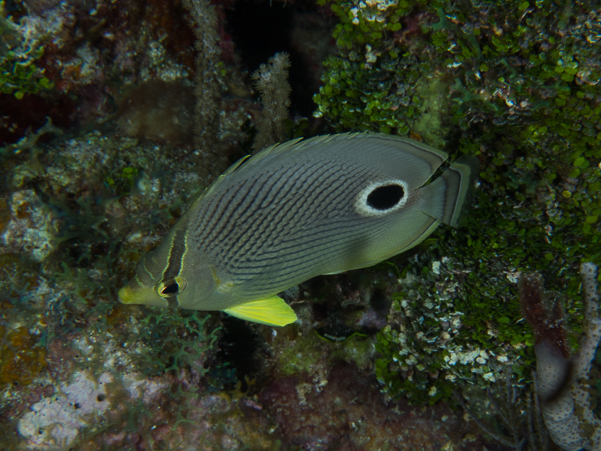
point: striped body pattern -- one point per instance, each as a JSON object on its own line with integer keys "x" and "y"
{"x": 295, "y": 211}
{"x": 295, "y": 239}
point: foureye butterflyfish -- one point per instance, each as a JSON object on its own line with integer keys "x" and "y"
{"x": 295, "y": 211}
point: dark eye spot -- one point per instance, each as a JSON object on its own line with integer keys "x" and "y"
{"x": 170, "y": 289}
{"x": 101, "y": 397}
{"x": 385, "y": 197}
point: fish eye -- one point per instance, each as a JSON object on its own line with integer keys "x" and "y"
{"x": 385, "y": 197}
{"x": 171, "y": 286}
{"x": 170, "y": 289}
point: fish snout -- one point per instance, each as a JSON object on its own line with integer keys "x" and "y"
{"x": 126, "y": 295}
{"x": 140, "y": 295}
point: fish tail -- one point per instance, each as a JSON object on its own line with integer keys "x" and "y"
{"x": 451, "y": 192}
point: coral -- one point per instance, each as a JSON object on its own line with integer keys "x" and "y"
{"x": 20, "y": 52}
{"x": 559, "y": 403}
{"x": 55, "y": 422}
{"x": 29, "y": 141}
{"x": 109, "y": 199}
{"x": 31, "y": 228}
{"x": 562, "y": 382}
{"x": 548, "y": 327}
{"x": 500, "y": 82}
{"x": 513, "y": 83}
{"x": 186, "y": 346}
{"x": 117, "y": 47}
{"x": 78, "y": 211}
{"x": 21, "y": 356}
{"x": 158, "y": 110}
{"x": 347, "y": 412}
{"x": 127, "y": 377}
{"x": 204, "y": 22}
{"x": 429, "y": 342}
{"x": 272, "y": 81}
{"x": 507, "y": 414}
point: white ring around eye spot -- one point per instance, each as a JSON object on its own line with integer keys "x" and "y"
{"x": 364, "y": 209}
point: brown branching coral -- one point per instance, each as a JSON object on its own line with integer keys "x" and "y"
{"x": 510, "y": 414}
{"x": 272, "y": 81}
{"x": 204, "y": 22}
{"x": 562, "y": 381}
{"x": 548, "y": 326}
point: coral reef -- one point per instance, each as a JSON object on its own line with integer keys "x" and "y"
{"x": 68, "y": 217}
{"x": 559, "y": 406}
{"x": 271, "y": 80}
{"x": 562, "y": 380}
{"x": 58, "y": 419}
{"x": 21, "y": 49}
{"x": 30, "y": 229}
{"x": 510, "y": 414}
{"x": 111, "y": 199}
{"x": 347, "y": 412}
{"x": 514, "y": 83}
{"x": 500, "y": 82}
{"x": 21, "y": 357}
{"x": 204, "y": 22}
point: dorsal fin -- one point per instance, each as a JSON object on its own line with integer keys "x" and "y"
{"x": 289, "y": 147}
{"x": 248, "y": 162}
{"x": 408, "y": 145}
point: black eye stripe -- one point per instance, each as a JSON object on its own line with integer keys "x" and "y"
{"x": 385, "y": 197}
{"x": 172, "y": 288}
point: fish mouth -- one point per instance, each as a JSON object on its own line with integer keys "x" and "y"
{"x": 126, "y": 295}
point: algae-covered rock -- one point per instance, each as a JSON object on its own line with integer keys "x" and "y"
{"x": 514, "y": 83}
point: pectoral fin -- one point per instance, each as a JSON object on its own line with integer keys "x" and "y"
{"x": 272, "y": 311}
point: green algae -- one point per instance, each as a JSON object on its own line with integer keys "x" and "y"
{"x": 431, "y": 123}
{"x": 20, "y": 71}
{"x": 508, "y": 84}
{"x": 301, "y": 355}
{"x": 187, "y": 345}
{"x": 305, "y": 351}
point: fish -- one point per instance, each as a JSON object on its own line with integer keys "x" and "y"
{"x": 297, "y": 210}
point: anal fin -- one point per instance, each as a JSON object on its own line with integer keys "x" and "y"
{"x": 272, "y": 311}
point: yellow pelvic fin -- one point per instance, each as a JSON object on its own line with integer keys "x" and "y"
{"x": 272, "y": 311}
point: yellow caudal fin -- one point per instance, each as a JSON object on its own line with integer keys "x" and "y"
{"x": 272, "y": 311}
